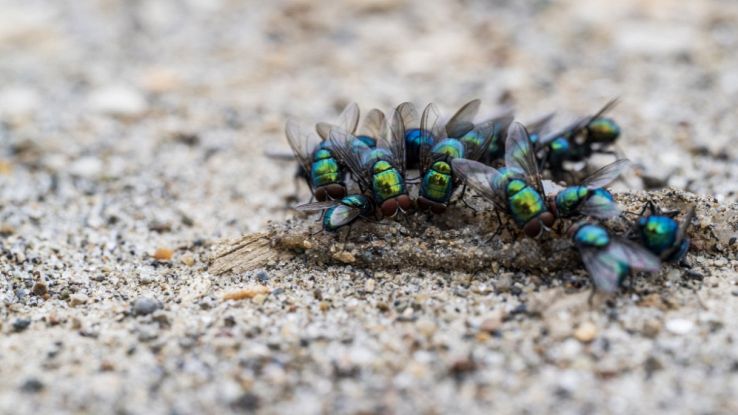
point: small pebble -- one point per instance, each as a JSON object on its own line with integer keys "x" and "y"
{"x": 21, "y": 324}
{"x": 586, "y": 332}
{"x": 163, "y": 254}
{"x": 426, "y": 327}
{"x": 262, "y": 276}
{"x": 188, "y": 259}
{"x": 32, "y": 385}
{"x": 145, "y": 305}
{"x": 78, "y": 299}
{"x": 245, "y": 293}
{"x": 117, "y": 100}
{"x": 679, "y": 326}
{"x": 345, "y": 257}
{"x": 370, "y": 285}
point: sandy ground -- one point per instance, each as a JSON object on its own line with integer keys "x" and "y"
{"x": 132, "y": 136}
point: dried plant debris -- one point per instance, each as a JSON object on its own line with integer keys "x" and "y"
{"x": 458, "y": 240}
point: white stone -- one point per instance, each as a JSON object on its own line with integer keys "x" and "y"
{"x": 117, "y": 100}
{"x": 679, "y": 326}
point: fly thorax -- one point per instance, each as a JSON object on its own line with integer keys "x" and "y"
{"x": 568, "y": 199}
{"x": 560, "y": 147}
{"x": 603, "y": 130}
{"x": 322, "y": 154}
{"x": 472, "y": 138}
{"x": 592, "y": 235}
{"x": 449, "y": 147}
{"x": 441, "y": 167}
{"x": 514, "y": 186}
{"x": 381, "y": 166}
{"x": 659, "y": 232}
{"x": 370, "y": 142}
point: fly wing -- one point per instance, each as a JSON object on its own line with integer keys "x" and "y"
{"x": 598, "y": 206}
{"x": 397, "y": 140}
{"x": 317, "y": 206}
{"x": 342, "y": 143}
{"x": 480, "y": 177}
{"x": 487, "y": 131}
{"x": 540, "y": 124}
{"x": 577, "y": 126}
{"x": 375, "y": 124}
{"x": 428, "y": 124}
{"x": 520, "y": 156}
{"x": 463, "y": 120}
{"x": 343, "y": 215}
{"x": 409, "y": 115}
{"x": 604, "y": 268}
{"x": 348, "y": 120}
{"x": 636, "y": 256}
{"x": 606, "y": 175}
{"x": 302, "y": 143}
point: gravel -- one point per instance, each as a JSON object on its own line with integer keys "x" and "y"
{"x": 149, "y": 261}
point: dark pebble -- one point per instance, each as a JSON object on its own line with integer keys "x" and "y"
{"x": 21, "y": 324}
{"x": 32, "y": 385}
{"x": 145, "y": 305}
{"x": 262, "y": 276}
{"x": 246, "y": 402}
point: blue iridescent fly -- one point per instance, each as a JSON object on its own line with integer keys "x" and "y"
{"x": 661, "y": 234}
{"x": 380, "y": 171}
{"x": 517, "y": 189}
{"x": 417, "y": 136}
{"x": 578, "y": 140}
{"x": 608, "y": 258}
{"x": 590, "y": 198}
{"x": 496, "y": 149}
{"x": 372, "y": 127}
{"x": 340, "y": 212}
{"x": 437, "y": 180}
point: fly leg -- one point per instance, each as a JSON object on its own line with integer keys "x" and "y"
{"x": 498, "y": 230}
{"x": 461, "y": 197}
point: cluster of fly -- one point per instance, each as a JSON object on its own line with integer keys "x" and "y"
{"x": 360, "y": 170}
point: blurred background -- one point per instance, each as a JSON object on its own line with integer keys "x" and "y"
{"x": 174, "y": 102}
{"x": 130, "y": 125}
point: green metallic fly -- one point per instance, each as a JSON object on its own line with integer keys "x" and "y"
{"x": 517, "y": 188}
{"x": 589, "y": 198}
{"x": 380, "y": 171}
{"x": 609, "y": 259}
{"x": 437, "y": 180}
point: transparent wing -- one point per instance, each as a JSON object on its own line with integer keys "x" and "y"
{"x": 540, "y": 124}
{"x": 428, "y": 123}
{"x": 348, "y": 120}
{"x": 397, "y": 137}
{"x": 604, "y": 268}
{"x": 341, "y": 143}
{"x": 375, "y": 124}
{"x": 343, "y": 215}
{"x": 577, "y": 126}
{"x": 520, "y": 156}
{"x": 636, "y": 256}
{"x": 598, "y": 206}
{"x": 606, "y": 175}
{"x": 302, "y": 143}
{"x": 463, "y": 120}
{"x": 479, "y": 177}
{"x": 409, "y": 115}
{"x": 486, "y": 131}
{"x": 317, "y": 206}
